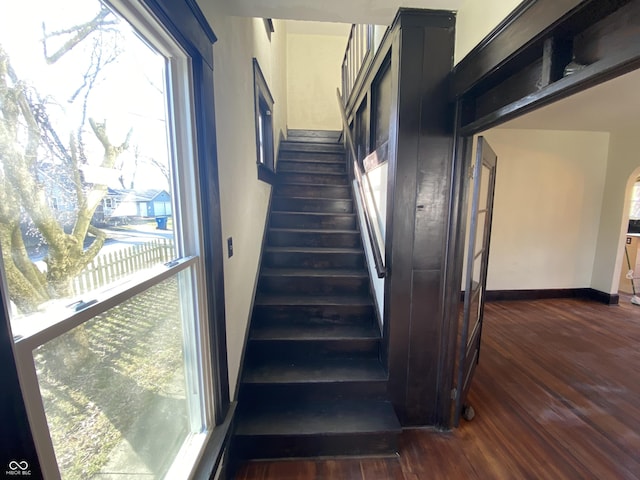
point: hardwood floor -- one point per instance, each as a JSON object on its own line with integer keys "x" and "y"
{"x": 556, "y": 395}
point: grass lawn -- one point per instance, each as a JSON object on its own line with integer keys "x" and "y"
{"x": 101, "y": 381}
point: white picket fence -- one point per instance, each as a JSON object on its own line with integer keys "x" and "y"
{"x": 109, "y": 267}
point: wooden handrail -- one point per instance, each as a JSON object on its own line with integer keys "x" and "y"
{"x": 381, "y": 270}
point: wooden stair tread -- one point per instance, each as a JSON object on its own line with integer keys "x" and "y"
{"x": 312, "y": 230}
{"x": 310, "y": 332}
{"x": 313, "y": 272}
{"x": 298, "y": 197}
{"x": 313, "y": 300}
{"x": 312, "y": 371}
{"x": 318, "y": 418}
{"x": 310, "y": 146}
{"x": 319, "y": 214}
{"x": 312, "y": 250}
{"x": 311, "y": 172}
{"x": 333, "y": 160}
{"x": 305, "y": 132}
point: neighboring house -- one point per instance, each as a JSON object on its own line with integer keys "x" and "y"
{"x": 153, "y": 203}
{"x": 119, "y": 206}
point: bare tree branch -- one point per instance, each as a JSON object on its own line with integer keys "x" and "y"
{"x": 78, "y": 32}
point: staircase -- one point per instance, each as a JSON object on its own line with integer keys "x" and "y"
{"x": 312, "y": 383}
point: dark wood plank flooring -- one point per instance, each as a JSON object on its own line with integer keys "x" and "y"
{"x": 556, "y": 395}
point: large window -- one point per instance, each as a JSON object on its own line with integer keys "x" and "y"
{"x": 105, "y": 284}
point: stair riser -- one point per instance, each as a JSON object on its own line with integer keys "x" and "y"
{"x": 302, "y": 220}
{"x": 251, "y": 393}
{"x": 317, "y": 191}
{"x": 287, "y": 285}
{"x": 329, "y": 315}
{"x": 291, "y": 446}
{"x": 313, "y": 260}
{"x": 309, "y": 167}
{"x": 314, "y": 205}
{"x": 312, "y": 178}
{"x": 289, "y": 350}
{"x": 313, "y": 239}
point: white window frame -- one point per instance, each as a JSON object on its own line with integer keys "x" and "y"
{"x": 187, "y": 212}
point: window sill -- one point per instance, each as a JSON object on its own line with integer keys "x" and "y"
{"x": 266, "y": 174}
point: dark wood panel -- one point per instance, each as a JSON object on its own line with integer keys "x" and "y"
{"x": 401, "y": 191}
{"x": 423, "y": 350}
{"x": 434, "y": 153}
{"x": 609, "y": 35}
{"x": 615, "y": 64}
{"x": 212, "y": 231}
{"x": 601, "y": 35}
{"x": 526, "y": 23}
{"x": 510, "y": 46}
{"x": 188, "y": 24}
{"x": 556, "y": 396}
{"x": 522, "y": 83}
{"x": 418, "y": 224}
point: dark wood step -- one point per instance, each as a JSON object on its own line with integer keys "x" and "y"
{"x": 312, "y": 178}
{"x": 289, "y": 257}
{"x": 313, "y": 220}
{"x": 303, "y": 204}
{"x": 311, "y": 191}
{"x": 313, "y": 379}
{"x": 311, "y": 166}
{"x": 307, "y": 332}
{"x": 299, "y": 429}
{"x": 312, "y": 157}
{"x": 291, "y": 351}
{"x": 294, "y": 343}
{"x": 284, "y": 237}
{"x": 321, "y": 310}
{"x": 326, "y": 136}
{"x": 314, "y": 147}
{"x": 313, "y": 281}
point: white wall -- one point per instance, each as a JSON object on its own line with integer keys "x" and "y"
{"x": 475, "y": 20}
{"x": 314, "y": 71}
{"x": 548, "y": 198}
{"x": 623, "y": 169}
{"x": 376, "y": 191}
{"x": 244, "y": 199}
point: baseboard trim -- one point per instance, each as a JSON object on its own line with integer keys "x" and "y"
{"x": 548, "y": 293}
{"x": 602, "y": 297}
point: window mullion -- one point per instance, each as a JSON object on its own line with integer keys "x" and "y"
{"x": 122, "y": 292}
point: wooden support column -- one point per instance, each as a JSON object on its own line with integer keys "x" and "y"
{"x": 418, "y": 199}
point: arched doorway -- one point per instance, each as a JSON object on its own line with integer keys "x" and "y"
{"x": 629, "y": 266}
